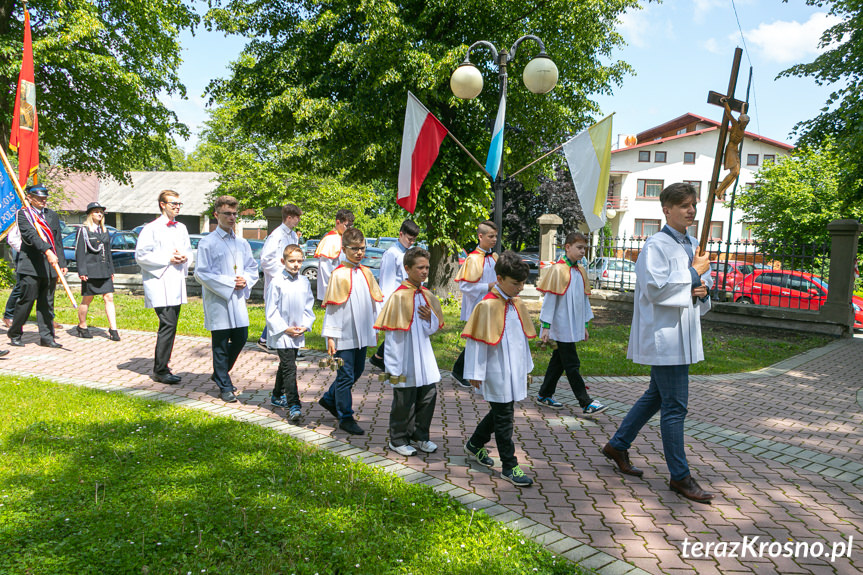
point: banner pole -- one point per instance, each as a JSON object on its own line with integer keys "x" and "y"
{"x": 26, "y": 204}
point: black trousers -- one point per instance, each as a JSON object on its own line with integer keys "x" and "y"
{"x": 411, "y": 413}
{"x": 458, "y": 366}
{"x": 500, "y": 422}
{"x": 227, "y": 345}
{"x": 565, "y": 358}
{"x": 380, "y": 351}
{"x": 168, "y": 318}
{"x": 9, "y": 312}
{"x": 40, "y": 290}
{"x": 286, "y": 377}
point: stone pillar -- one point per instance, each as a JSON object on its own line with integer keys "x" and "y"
{"x": 548, "y": 224}
{"x": 274, "y": 218}
{"x": 844, "y": 235}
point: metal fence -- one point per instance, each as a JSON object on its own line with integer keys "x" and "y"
{"x": 747, "y": 272}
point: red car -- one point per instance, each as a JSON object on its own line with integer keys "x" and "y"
{"x": 791, "y": 289}
{"x": 732, "y": 272}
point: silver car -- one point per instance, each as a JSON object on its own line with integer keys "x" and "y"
{"x": 612, "y": 273}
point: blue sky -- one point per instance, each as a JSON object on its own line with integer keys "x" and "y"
{"x": 680, "y": 50}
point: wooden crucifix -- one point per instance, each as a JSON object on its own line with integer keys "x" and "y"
{"x": 729, "y": 104}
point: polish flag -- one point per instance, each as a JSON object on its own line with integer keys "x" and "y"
{"x": 421, "y": 141}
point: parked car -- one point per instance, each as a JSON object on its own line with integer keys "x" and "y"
{"x": 731, "y": 272}
{"x": 309, "y": 247}
{"x": 309, "y": 268}
{"x": 385, "y": 243}
{"x": 790, "y": 289}
{"x": 611, "y": 273}
{"x": 122, "y": 251}
{"x": 257, "y": 247}
{"x": 371, "y": 242}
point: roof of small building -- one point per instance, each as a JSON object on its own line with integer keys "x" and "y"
{"x": 78, "y": 189}
{"x": 140, "y": 197}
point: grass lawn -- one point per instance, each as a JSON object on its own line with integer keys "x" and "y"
{"x": 726, "y": 350}
{"x": 95, "y": 482}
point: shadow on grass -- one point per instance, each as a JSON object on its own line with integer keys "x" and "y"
{"x": 102, "y": 483}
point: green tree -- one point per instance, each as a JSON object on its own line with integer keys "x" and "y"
{"x": 794, "y": 199}
{"x": 327, "y": 81}
{"x": 841, "y": 118}
{"x": 100, "y": 69}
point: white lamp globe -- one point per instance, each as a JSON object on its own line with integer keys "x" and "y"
{"x": 540, "y": 75}
{"x": 466, "y": 82}
{"x": 610, "y": 213}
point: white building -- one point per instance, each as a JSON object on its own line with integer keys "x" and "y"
{"x": 681, "y": 150}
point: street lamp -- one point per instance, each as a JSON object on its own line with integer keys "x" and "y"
{"x": 539, "y": 76}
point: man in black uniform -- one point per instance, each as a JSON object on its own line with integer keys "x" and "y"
{"x": 35, "y": 267}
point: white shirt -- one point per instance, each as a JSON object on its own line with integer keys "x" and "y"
{"x": 567, "y": 313}
{"x": 666, "y": 326}
{"x": 392, "y": 269}
{"x": 472, "y": 293}
{"x": 14, "y": 237}
{"x": 273, "y": 251}
{"x": 325, "y": 270}
{"x": 289, "y": 302}
{"x": 164, "y": 282}
{"x": 351, "y": 324}
{"x": 221, "y": 257}
{"x": 502, "y": 368}
{"x": 410, "y": 353}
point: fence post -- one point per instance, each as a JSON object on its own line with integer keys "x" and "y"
{"x": 273, "y": 215}
{"x": 548, "y": 224}
{"x": 844, "y": 235}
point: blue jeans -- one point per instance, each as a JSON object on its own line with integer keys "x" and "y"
{"x": 339, "y": 392}
{"x": 668, "y": 393}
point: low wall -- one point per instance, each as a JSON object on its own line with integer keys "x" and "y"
{"x": 745, "y": 315}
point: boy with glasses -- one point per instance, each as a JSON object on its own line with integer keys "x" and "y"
{"x": 163, "y": 252}
{"x": 227, "y": 271}
{"x": 352, "y": 300}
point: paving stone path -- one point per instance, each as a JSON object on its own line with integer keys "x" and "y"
{"x": 782, "y": 448}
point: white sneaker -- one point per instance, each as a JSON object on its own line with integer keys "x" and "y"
{"x": 405, "y": 450}
{"x": 426, "y": 446}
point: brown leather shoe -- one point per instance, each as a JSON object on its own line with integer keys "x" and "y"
{"x": 621, "y": 459}
{"x": 690, "y": 489}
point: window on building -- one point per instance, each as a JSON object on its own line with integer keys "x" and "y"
{"x": 643, "y": 156}
{"x": 746, "y": 233}
{"x": 697, "y": 185}
{"x": 659, "y": 157}
{"x": 681, "y": 131}
{"x": 693, "y": 229}
{"x": 769, "y": 158}
{"x": 649, "y": 188}
{"x": 715, "y": 231}
{"x": 645, "y": 228}
{"x": 688, "y": 157}
{"x": 751, "y": 159}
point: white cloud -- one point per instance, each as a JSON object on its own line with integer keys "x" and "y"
{"x": 789, "y": 42}
{"x": 712, "y": 46}
{"x": 637, "y": 27}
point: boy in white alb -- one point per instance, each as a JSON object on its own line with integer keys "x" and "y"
{"x": 498, "y": 362}
{"x": 393, "y": 274}
{"x": 290, "y": 314}
{"x": 476, "y": 278}
{"x": 163, "y": 252}
{"x": 329, "y": 251}
{"x": 410, "y": 316}
{"x": 353, "y": 301}
{"x": 564, "y": 316}
{"x": 272, "y": 262}
{"x": 226, "y": 271}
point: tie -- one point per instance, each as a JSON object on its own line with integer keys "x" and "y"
{"x": 172, "y": 223}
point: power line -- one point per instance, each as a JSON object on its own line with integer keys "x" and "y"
{"x": 748, "y": 57}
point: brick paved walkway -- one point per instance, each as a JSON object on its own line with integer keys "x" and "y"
{"x": 782, "y": 448}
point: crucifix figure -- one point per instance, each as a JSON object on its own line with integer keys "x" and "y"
{"x": 735, "y": 136}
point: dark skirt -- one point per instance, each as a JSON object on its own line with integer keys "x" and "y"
{"x": 97, "y": 286}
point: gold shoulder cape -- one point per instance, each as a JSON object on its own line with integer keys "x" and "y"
{"x": 471, "y": 269}
{"x": 556, "y": 280}
{"x": 398, "y": 312}
{"x": 341, "y": 283}
{"x": 330, "y": 245}
{"x": 488, "y": 320}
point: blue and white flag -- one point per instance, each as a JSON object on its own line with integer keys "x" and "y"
{"x": 10, "y": 203}
{"x": 495, "y": 151}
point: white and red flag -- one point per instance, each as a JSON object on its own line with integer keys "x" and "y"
{"x": 421, "y": 141}
{"x": 25, "y": 126}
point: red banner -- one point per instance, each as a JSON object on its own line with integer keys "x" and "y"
{"x": 25, "y": 126}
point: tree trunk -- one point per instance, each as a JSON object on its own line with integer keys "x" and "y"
{"x": 443, "y": 270}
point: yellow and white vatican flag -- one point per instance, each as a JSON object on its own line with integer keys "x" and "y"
{"x": 589, "y": 157}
